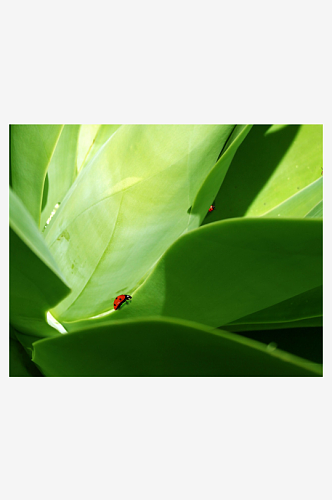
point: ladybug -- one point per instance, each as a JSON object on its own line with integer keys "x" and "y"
{"x": 212, "y": 207}
{"x": 121, "y": 299}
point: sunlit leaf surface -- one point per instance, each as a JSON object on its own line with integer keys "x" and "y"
{"x": 127, "y": 206}
{"x": 301, "y": 204}
{"x": 100, "y": 210}
{"x": 273, "y": 164}
{"x": 227, "y": 270}
{"x": 32, "y": 148}
{"x": 61, "y": 171}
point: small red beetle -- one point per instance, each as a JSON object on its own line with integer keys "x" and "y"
{"x": 212, "y": 207}
{"x": 121, "y": 299}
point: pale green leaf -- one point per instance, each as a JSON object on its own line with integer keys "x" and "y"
{"x": 130, "y": 202}
{"x": 61, "y": 172}
{"x": 91, "y": 139}
{"x": 317, "y": 211}
{"x": 213, "y": 181}
{"x": 301, "y": 203}
{"x": 272, "y": 164}
{"x": 32, "y": 147}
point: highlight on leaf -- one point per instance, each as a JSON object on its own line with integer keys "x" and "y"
{"x": 107, "y": 262}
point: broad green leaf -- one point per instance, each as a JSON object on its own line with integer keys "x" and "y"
{"x": 32, "y": 147}
{"x": 36, "y": 283}
{"x": 272, "y": 164}
{"x": 130, "y": 202}
{"x": 305, "y": 305}
{"x": 163, "y": 347}
{"x": 301, "y": 203}
{"x": 224, "y": 271}
{"x": 61, "y": 172}
{"x": 92, "y": 139}
{"x": 86, "y": 140}
{"x": 300, "y": 166}
{"x": 317, "y": 211}
{"x": 64, "y": 166}
{"x": 213, "y": 181}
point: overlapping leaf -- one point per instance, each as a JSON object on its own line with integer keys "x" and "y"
{"x": 36, "y": 283}
{"x": 163, "y": 347}
{"x": 305, "y": 342}
{"x": 301, "y": 204}
{"x": 317, "y": 211}
{"x": 20, "y": 364}
{"x": 61, "y": 172}
{"x": 130, "y": 202}
{"x": 273, "y": 164}
{"x": 210, "y": 187}
{"x": 32, "y": 148}
{"x": 303, "y": 306}
{"x": 227, "y": 270}
{"x": 91, "y": 139}
{"x": 138, "y": 190}
{"x": 314, "y": 322}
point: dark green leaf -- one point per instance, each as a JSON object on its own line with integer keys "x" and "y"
{"x": 20, "y": 365}
{"x": 36, "y": 283}
{"x": 316, "y": 321}
{"x": 227, "y": 270}
{"x": 163, "y": 347}
{"x": 305, "y": 305}
{"x": 302, "y": 341}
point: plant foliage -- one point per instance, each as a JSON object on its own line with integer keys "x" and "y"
{"x": 102, "y": 210}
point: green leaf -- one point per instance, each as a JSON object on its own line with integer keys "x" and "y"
{"x": 315, "y": 321}
{"x": 301, "y": 203}
{"x": 36, "y": 283}
{"x": 301, "y": 341}
{"x": 61, "y": 172}
{"x": 32, "y": 147}
{"x": 227, "y": 270}
{"x": 26, "y": 340}
{"x": 20, "y": 365}
{"x": 317, "y": 211}
{"x": 163, "y": 347}
{"x": 213, "y": 181}
{"x": 272, "y": 164}
{"x": 305, "y": 305}
{"x": 92, "y": 138}
{"x": 128, "y": 205}
{"x": 86, "y": 140}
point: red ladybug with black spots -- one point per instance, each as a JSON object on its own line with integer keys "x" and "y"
{"x": 121, "y": 299}
{"x": 212, "y": 207}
